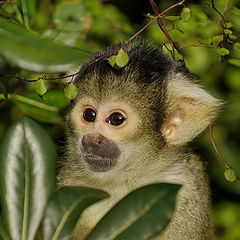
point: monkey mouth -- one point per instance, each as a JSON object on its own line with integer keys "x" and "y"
{"x": 99, "y": 163}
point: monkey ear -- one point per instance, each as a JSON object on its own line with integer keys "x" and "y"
{"x": 190, "y": 110}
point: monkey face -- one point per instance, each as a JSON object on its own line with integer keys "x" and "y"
{"x": 127, "y": 120}
{"x": 99, "y": 130}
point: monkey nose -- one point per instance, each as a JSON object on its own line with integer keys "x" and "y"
{"x": 93, "y": 139}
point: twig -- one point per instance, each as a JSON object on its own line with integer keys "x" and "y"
{"x": 65, "y": 76}
{"x": 154, "y": 19}
{"x": 34, "y": 80}
{"x": 219, "y": 13}
{"x": 225, "y": 164}
{"x": 98, "y": 59}
{"x": 212, "y": 5}
{"x": 216, "y": 148}
{"x": 163, "y": 27}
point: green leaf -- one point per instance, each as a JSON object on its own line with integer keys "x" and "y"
{"x": 178, "y": 56}
{"x": 27, "y": 177}
{"x": 55, "y": 98}
{"x": 3, "y": 89}
{"x": 217, "y": 39}
{"x": 230, "y": 175}
{"x": 112, "y": 61}
{"x": 71, "y": 91}
{"x": 18, "y": 12}
{"x": 29, "y": 51}
{"x": 172, "y": 18}
{"x": 234, "y": 61}
{"x": 222, "y": 51}
{"x": 65, "y": 208}
{"x": 40, "y": 87}
{"x": 140, "y": 215}
{"x": 28, "y": 10}
{"x": 233, "y": 37}
{"x": 122, "y": 58}
{"x": 236, "y": 46}
{"x": 185, "y": 14}
{"x": 39, "y": 109}
{"x": 167, "y": 48}
{"x": 236, "y": 11}
{"x": 227, "y": 31}
{"x": 229, "y": 24}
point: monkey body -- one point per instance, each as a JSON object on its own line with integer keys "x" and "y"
{"x": 192, "y": 216}
{"x": 129, "y": 128}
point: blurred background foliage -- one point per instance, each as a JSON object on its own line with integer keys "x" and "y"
{"x": 94, "y": 24}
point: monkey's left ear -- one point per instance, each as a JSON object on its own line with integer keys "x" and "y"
{"x": 190, "y": 110}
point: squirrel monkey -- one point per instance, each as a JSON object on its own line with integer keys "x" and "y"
{"x": 129, "y": 127}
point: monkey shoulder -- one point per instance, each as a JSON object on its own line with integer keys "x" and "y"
{"x": 186, "y": 169}
{"x": 192, "y": 216}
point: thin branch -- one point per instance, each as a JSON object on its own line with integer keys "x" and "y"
{"x": 17, "y": 77}
{"x": 34, "y": 80}
{"x": 163, "y": 27}
{"x": 141, "y": 30}
{"x": 217, "y": 11}
{"x": 225, "y": 164}
{"x": 216, "y": 148}
{"x": 65, "y": 76}
{"x": 103, "y": 57}
{"x": 154, "y": 19}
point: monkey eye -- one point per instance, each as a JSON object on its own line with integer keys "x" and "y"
{"x": 89, "y": 115}
{"x": 116, "y": 119}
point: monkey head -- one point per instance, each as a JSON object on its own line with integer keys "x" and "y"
{"x": 124, "y": 119}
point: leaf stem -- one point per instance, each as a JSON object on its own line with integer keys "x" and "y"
{"x": 134, "y": 218}
{"x": 30, "y": 102}
{"x": 26, "y": 191}
{"x": 65, "y": 219}
{"x": 18, "y": 13}
{"x": 25, "y": 14}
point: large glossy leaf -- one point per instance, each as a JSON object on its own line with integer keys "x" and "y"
{"x": 29, "y": 51}
{"x": 27, "y": 177}
{"x": 65, "y": 208}
{"x": 140, "y": 215}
